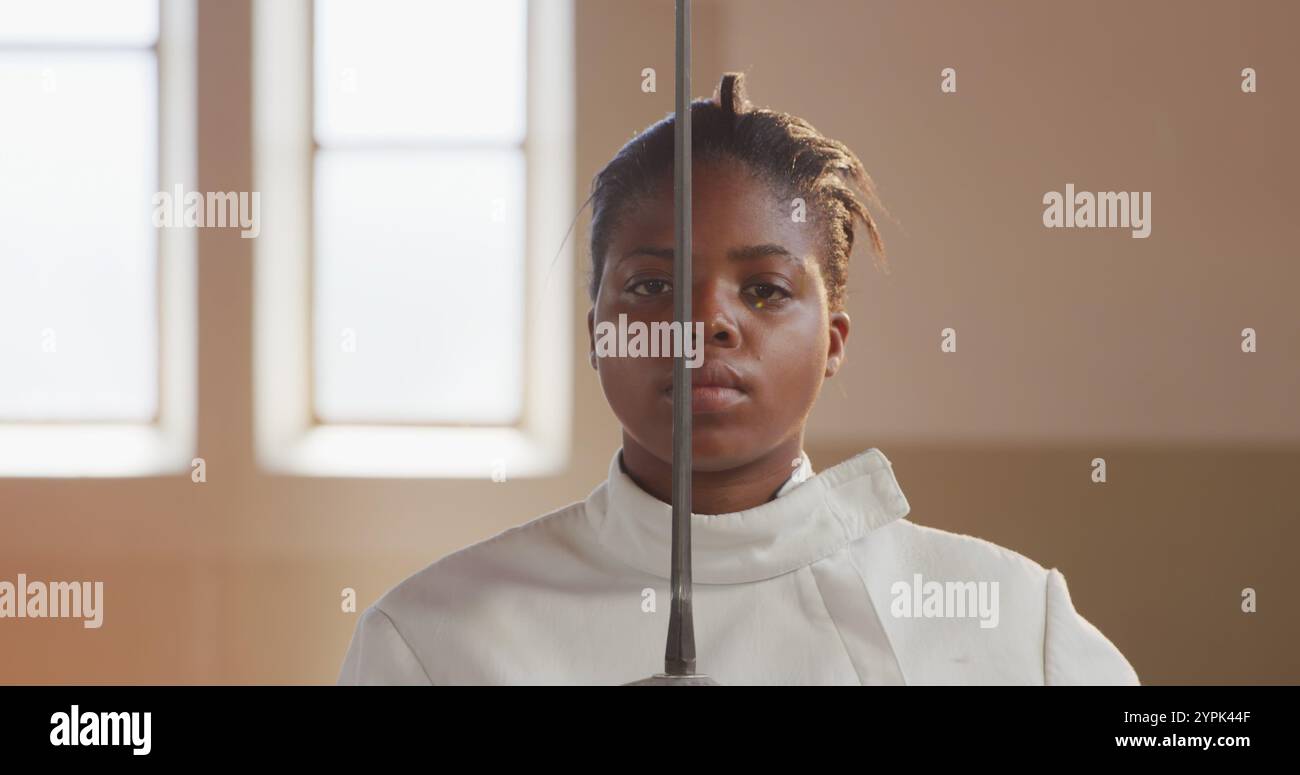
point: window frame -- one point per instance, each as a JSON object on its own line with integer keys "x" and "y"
{"x": 49, "y": 449}
{"x": 289, "y": 438}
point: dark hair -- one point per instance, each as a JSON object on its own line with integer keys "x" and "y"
{"x": 784, "y": 150}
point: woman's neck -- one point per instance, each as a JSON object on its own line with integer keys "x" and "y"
{"x": 716, "y": 492}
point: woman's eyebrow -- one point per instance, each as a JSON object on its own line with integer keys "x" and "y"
{"x": 751, "y": 252}
{"x": 665, "y": 253}
{"x": 746, "y": 253}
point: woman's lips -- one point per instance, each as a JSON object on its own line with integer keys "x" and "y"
{"x": 710, "y": 398}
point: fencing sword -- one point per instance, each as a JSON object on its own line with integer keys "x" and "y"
{"x": 679, "y": 655}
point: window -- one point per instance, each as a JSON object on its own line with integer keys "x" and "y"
{"x": 96, "y": 304}
{"x": 415, "y": 160}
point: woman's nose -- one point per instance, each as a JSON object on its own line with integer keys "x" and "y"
{"x": 714, "y": 310}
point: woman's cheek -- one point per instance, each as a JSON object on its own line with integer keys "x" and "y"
{"x": 799, "y": 362}
{"x": 628, "y": 389}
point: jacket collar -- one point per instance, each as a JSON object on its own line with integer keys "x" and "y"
{"x": 812, "y": 517}
{"x": 803, "y": 471}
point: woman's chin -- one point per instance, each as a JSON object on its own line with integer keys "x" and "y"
{"x": 720, "y": 450}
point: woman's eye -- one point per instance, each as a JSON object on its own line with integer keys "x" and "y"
{"x": 768, "y": 292}
{"x": 651, "y": 287}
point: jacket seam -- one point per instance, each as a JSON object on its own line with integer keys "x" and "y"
{"x": 893, "y": 651}
{"x": 1047, "y": 619}
{"x": 822, "y": 597}
{"x": 407, "y": 644}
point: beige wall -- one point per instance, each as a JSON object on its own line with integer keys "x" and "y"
{"x": 1072, "y": 344}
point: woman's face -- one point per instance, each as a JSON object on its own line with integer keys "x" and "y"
{"x": 757, "y": 290}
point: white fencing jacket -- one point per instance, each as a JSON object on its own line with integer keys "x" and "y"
{"x": 825, "y": 584}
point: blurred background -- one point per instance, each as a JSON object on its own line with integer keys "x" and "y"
{"x": 395, "y": 367}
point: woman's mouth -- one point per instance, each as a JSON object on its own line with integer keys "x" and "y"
{"x": 710, "y": 398}
{"x": 715, "y": 387}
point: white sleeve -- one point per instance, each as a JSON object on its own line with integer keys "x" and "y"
{"x": 1074, "y": 651}
{"x": 379, "y": 655}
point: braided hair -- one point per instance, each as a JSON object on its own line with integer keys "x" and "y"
{"x": 784, "y": 150}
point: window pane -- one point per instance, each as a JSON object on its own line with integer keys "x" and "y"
{"x": 78, "y": 299}
{"x": 121, "y": 22}
{"x": 419, "y": 70}
{"x": 419, "y": 279}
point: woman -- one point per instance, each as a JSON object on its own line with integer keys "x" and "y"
{"x": 799, "y": 578}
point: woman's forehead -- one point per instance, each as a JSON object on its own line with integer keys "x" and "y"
{"x": 730, "y": 209}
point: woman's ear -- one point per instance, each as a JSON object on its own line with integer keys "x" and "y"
{"x": 836, "y": 353}
{"x": 591, "y": 335}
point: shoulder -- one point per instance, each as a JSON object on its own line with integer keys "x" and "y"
{"x": 921, "y": 548}
{"x": 1076, "y": 652}
{"x": 379, "y": 655}
{"x": 525, "y": 556}
{"x": 457, "y": 593}
{"x": 1030, "y": 623}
